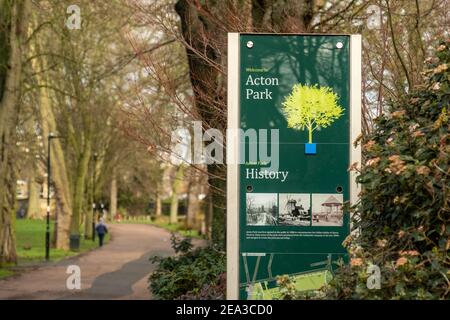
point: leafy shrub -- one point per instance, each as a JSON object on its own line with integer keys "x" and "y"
{"x": 402, "y": 219}
{"x": 404, "y": 212}
{"x": 209, "y": 291}
{"x": 191, "y": 273}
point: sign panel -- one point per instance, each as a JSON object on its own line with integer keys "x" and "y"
{"x": 296, "y": 100}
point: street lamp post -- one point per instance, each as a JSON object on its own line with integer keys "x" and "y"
{"x": 93, "y": 197}
{"x": 47, "y": 227}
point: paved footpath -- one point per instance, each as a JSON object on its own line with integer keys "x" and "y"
{"x": 118, "y": 270}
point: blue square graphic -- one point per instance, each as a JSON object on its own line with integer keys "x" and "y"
{"x": 310, "y": 148}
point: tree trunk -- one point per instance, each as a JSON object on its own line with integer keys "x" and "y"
{"x": 88, "y": 210}
{"x": 174, "y": 209}
{"x": 113, "y": 197}
{"x": 88, "y": 221}
{"x": 59, "y": 175}
{"x": 175, "y": 190}
{"x": 158, "y": 210}
{"x": 34, "y": 206}
{"x": 205, "y": 83}
{"x": 158, "y": 190}
{"x": 209, "y": 217}
{"x": 8, "y": 252}
{"x": 79, "y": 188}
{"x": 13, "y": 15}
{"x": 218, "y": 204}
{"x": 193, "y": 202}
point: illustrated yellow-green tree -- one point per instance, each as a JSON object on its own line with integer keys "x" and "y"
{"x": 311, "y": 107}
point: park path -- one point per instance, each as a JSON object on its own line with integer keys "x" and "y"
{"x": 118, "y": 270}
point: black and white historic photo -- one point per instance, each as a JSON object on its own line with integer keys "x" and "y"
{"x": 295, "y": 209}
{"x": 261, "y": 209}
{"x": 327, "y": 210}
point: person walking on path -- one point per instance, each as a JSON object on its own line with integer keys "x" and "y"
{"x": 101, "y": 230}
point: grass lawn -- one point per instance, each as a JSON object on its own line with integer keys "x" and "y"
{"x": 164, "y": 223}
{"x": 30, "y": 245}
{"x": 5, "y": 273}
{"x": 178, "y": 228}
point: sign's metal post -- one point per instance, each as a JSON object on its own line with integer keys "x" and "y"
{"x": 355, "y": 116}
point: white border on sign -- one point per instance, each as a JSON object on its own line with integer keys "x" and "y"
{"x": 355, "y": 113}
{"x": 233, "y": 169}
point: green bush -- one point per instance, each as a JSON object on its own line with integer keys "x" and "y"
{"x": 403, "y": 215}
{"x": 191, "y": 273}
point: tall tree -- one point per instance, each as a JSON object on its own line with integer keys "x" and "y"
{"x": 204, "y": 28}
{"x": 13, "y": 27}
{"x": 75, "y": 71}
{"x": 48, "y": 125}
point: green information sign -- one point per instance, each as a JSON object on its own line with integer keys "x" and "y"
{"x": 296, "y": 101}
